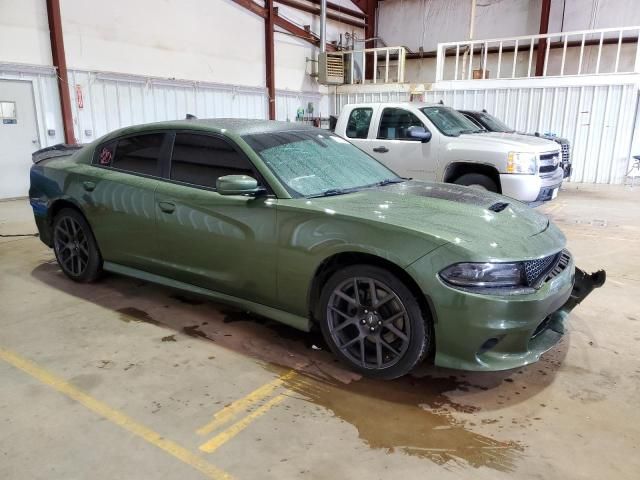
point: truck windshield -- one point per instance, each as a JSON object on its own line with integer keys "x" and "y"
{"x": 449, "y": 121}
{"x": 313, "y": 163}
{"x": 493, "y": 124}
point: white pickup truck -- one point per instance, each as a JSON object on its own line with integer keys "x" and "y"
{"x": 437, "y": 143}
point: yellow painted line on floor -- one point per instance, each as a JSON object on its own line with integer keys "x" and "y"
{"x": 113, "y": 415}
{"x": 232, "y": 410}
{"x": 226, "y": 435}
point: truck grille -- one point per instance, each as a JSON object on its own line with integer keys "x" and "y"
{"x": 549, "y": 162}
{"x": 565, "y": 153}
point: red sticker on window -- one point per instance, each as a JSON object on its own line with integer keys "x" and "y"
{"x": 105, "y": 156}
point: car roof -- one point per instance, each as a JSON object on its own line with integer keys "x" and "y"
{"x": 227, "y": 126}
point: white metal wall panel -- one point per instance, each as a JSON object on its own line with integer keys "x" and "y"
{"x": 342, "y": 99}
{"x": 598, "y": 120}
{"x": 287, "y": 104}
{"x": 112, "y": 101}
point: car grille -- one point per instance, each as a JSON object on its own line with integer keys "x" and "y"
{"x": 535, "y": 270}
{"x": 560, "y": 266}
{"x": 544, "y": 269}
{"x": 549, "y": 162}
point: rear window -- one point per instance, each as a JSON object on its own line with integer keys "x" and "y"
{"x": 136, "y": 154}
{"x": 358, "y": 123}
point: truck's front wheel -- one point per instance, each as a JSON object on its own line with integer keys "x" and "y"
{"x": 477, "y": 180}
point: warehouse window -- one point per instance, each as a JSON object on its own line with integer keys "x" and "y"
{"x": 136, "y": 154}
{"x": 395, "y": 123}
{"x": 201, "y": 159}
{"x": 358, "y": 123}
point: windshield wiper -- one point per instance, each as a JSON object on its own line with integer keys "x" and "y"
{"x": 331, "y": 192}
{"x": 389, "y": 181}
{"x": 469, "y": 130}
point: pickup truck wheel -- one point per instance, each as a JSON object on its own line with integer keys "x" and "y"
{"x": 477, "y": 180}
{"x": 373, "y": 323}
{"x": 75, "y": 247}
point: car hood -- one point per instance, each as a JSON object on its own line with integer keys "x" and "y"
{"x": 511, "y": 141}
{"x": 490, "y": 224}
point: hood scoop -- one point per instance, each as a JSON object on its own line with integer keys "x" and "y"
{"x": 498, "y": 207}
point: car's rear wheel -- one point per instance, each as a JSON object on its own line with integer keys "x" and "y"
{"x": 373, "y": 323}
{"x": 75, "y": 247}
{"x": 477, "y": 180}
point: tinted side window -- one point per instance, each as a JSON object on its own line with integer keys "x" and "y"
{"x": 358, "y": 123}
{"x": 137, "y": 154}
{"x": 201, "y": 159}
{"x": 395, "y": 123}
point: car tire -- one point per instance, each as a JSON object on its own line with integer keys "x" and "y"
{"x": 477, "y": 180}
{"x": 75, "y": 247}
{"x": 381, "y": 331}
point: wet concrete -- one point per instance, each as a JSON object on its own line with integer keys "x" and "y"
{"x": 171, "y": 361}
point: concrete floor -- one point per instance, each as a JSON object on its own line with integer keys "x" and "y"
{"x": 123, "y": 379}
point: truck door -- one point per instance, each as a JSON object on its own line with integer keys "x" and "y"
{"x": 390, "y": 144}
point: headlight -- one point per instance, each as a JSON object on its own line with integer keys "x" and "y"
{"x": 522, "y": 162}
{"x": 484, "y": 275}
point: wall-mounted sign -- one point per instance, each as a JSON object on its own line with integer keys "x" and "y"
{"x": 79, "y": 97}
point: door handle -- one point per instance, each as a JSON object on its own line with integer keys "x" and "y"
{"x": 167, "y": 207}
{"x": 89, "y": 186}
{"x": 381, "y": 149}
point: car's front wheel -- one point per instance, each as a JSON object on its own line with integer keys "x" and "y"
{"x": 373, "y": 322}
{"x": 75, "y": 247}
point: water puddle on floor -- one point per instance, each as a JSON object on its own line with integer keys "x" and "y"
{"x": 131, "y": 314}
{"x": 411, "y": 415}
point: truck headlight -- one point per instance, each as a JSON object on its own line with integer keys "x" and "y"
{"x": 522, "y": 162}
{"x": 484, "y": 275}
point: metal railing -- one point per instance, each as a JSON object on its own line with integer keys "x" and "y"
{"x": 581, "y": 42}
{"x": 388, "y": 64}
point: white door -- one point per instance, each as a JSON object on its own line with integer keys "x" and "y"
{"x": 391, "y": 145}
{"x": 18, "y": 137}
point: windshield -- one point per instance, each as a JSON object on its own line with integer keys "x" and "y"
{"x": 449, "y": 121}
{"x": 493, "y": 124}
{"x": 314, "y": 163}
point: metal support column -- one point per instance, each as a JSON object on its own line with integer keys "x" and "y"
{"x": 60, "y": 63}
{"x": 542, "y": 43}
{"x": 269, "y": 58}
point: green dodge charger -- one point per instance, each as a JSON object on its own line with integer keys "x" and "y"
{"x": 296, "y": 224}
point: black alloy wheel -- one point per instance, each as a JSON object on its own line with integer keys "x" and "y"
{"x": 373, "y": 322}
{"x": 75, "y": 247}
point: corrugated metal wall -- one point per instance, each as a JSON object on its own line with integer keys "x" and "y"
{"x": 111, "y": 101}
{"x": 598, "y": 120}
{"x": 342, "y": 99}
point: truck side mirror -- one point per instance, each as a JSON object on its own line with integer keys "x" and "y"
{"x": 416, "y": 132}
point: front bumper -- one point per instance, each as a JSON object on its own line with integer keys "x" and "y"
{"x": 490, "y": 332}
{"x": 531, "y": 188}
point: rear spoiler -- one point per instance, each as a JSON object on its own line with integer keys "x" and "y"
{"x": 59, "y": 150}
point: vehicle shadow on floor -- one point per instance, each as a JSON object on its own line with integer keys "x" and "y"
{"x": 434, "y": 413}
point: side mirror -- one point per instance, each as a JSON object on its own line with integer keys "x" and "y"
{"x": 419, "y": 133}
{"x": 237, "y": 185}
